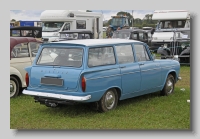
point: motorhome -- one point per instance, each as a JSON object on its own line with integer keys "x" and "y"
{"x": 55, "y": 21}
{"x": 171, "y": 23}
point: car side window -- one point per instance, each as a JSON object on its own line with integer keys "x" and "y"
{"x": 34, "y": 48}
{"x": 124, "y": 54}
{"x": 135, "y": 36}
{"x": 141, "y": 52}
{"x": 141, "y": 36}
{"x": 67, "y": 26}
{"x": 101, "y": 56}
{"x": 20, "y": 50}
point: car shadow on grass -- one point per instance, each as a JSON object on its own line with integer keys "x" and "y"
{"x": 85, "y": 109}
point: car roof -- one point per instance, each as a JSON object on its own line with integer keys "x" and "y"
{"x": 76, "y": 31}
{"x": 17, "y": 40}
{"x": 25, "y": 27}
{"x": 124, "y": 30}
{"x": 140, "y": 30}
{"x": 93, "y": 42}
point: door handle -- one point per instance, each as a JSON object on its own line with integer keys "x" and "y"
{"x": 123, "y": 67}
{"x": 141, "y": 64}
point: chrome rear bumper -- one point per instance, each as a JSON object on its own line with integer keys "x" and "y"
{"x": 58, "y": 96}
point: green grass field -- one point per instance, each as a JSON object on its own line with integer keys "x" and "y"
{"x": 150, "y": 111}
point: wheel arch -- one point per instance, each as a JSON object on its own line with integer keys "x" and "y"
{"x": 15, "y": 73}
{"x": 173, "y": 73}
{"x": 118, "y": 90}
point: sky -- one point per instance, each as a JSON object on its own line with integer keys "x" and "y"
{"x": 29, "y": 15}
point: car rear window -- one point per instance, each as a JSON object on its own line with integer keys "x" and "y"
{"x": 69, "y": 57}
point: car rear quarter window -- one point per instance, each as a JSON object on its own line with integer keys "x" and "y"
{"x": 21, "y": 50}
{"x": 124, "y": 54}
{"x": 101, "y": 56}
{"x": 141, "y": 52}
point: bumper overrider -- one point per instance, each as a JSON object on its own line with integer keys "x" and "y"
{"x": 57, "y": 96}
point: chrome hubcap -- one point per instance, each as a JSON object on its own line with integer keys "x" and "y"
{"x": 12, "y": 88}
{"x": 109, "y": 100}
{"x": 170, "y": 86}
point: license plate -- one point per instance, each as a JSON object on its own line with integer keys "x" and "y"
{"x": 52, "y": 81}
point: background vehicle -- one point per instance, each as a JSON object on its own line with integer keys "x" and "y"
{"x": 141, "y": 35}
{"x": 22, "y": 53}
{"x": 28, "y": 24}
{"x": 178, "y": 49}
{"x": 35, "y": 32}
{"x": 73, "y": 35}
{"x": 119, "y": 21}
{"x": 178, "y": 20}
{"x": 55, "y": 21}
{"x": 122, "y": 34}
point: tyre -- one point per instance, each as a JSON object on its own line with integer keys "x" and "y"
{"x": 108, "y": 101}
{"x": 14, "y": 87}
{"x": 169, "y": 86}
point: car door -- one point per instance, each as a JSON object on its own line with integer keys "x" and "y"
{"x": 150, "y": 69}
{"x": 130, "y": 70}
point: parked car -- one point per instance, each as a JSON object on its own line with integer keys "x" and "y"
{"x": 22, "y": 53}
{"x": 71, "y": 35}
{"x": 106, "y": 71}
{"x": 179, "y": 47}
{"x": 26, "y": 31}
{"x": 141, "y": 35}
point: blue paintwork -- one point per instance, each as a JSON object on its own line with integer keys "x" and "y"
{"x": 132, "y": 79}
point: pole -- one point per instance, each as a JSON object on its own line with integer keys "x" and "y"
{"x": 132, "y": 18}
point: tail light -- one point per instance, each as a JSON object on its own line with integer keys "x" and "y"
{"x": 27, "y": 79}
{"x": 83, "y": 83}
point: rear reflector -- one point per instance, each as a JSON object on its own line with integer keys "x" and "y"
{"x": 27, "y": 79}
{"x": 83, "y": 84}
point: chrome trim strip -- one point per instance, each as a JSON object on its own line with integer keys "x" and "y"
{"x": 59, "y": 96}
{"x": 152, "y": 69}
{"x": 112, "y": 75}
{"x": 103, "y": 77}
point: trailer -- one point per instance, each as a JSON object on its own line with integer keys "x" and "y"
{"x": 168, "y": 21}
{"x": 55, "y": 21}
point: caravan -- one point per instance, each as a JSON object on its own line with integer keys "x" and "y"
{"x": 55, "y": 21}
{"x": 171, "y": 24}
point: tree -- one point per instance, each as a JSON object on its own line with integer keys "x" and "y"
{"x": 13, "y": 20}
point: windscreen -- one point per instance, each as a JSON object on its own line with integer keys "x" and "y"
{"x": 52, "y": 26}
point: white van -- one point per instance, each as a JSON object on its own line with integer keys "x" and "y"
{"x": 55, "y": 21}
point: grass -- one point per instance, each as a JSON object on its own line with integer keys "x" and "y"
{"x": 104, "y": 34}
{"x": 150, "y": 111}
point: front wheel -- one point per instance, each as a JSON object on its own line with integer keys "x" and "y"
{"x": 108, "y": 101}
{"x": 14, "y": 87}
{"x": 169, "y": 86}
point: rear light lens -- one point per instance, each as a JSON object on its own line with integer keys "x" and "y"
{"x": 83, "y": 84}
{"x": 27, "y": 79}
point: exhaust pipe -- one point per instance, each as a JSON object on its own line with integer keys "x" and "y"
{"x": 49, "y": 104}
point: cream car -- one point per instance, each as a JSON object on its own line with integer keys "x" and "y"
{"x": 22, "y": 53}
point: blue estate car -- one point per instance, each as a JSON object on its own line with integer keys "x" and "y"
{"x": 101, "y": 71}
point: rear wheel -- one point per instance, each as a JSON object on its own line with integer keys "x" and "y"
{"x": 14, "y": 87}
{"x": 169, "y": 86}
{"x": 108, "y": 101}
